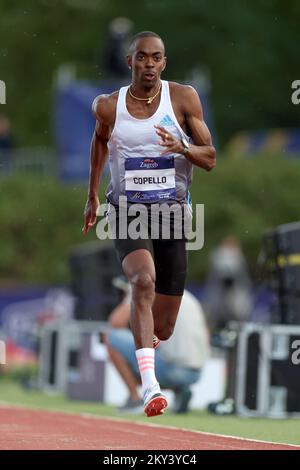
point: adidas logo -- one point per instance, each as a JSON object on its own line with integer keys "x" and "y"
{"x": 166, "y": 121}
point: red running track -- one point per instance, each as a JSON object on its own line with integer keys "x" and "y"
{"x": 22, "y": 429}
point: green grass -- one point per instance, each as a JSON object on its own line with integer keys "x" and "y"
{"x": 287, "y": 431}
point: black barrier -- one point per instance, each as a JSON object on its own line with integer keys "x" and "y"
{"x": 282, "y": 252}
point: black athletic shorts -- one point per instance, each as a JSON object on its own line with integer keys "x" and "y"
{"x": 170, "y": 258}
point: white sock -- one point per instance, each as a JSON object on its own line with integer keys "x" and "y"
{"x": 145, "y": 359}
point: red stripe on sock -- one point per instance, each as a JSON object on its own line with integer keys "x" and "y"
{"x": 142, "y": 369}
{"x": 146, "y": 359}
{"x": 146, "y": 364}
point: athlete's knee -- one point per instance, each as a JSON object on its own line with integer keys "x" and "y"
{"x": 164, "y": 332}
{"x": 143, "y": 284}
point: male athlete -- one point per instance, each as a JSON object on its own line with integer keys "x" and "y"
{"x": 153, "y": 132}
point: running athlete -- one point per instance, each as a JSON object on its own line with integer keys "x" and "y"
{"x": 152, "y": 132}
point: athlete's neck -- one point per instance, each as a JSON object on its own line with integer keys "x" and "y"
{"x": 144, "y": 91}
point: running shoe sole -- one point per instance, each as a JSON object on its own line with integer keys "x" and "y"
{"x": 156, "y": 406}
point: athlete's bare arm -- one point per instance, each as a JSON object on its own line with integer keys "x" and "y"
{"x": 104, "y": 109}
{"x": 202, "y": 153}
{"x": 120, "y": 316}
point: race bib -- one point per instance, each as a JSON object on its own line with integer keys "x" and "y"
{"x": 150, "y": 179}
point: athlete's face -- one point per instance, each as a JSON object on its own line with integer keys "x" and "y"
{"x": 147, "y": 61}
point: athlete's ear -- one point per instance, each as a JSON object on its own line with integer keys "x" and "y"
{"x": 129, "y": 61}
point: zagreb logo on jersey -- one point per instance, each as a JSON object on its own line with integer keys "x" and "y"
{"x": 148, "y": 163}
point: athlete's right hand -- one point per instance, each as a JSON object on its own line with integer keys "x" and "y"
{"x": 90, "y": 213}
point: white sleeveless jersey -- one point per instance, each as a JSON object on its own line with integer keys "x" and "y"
{"x": 138, "y": 171}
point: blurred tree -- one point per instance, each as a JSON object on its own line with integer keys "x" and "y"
{"x": 251, "y": 49}
{"x": 43, "y": 218}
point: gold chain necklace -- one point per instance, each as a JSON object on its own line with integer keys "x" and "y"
{"x": 149, "y": 100}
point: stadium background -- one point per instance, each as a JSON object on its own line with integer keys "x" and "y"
{"x": 54, "y": 59}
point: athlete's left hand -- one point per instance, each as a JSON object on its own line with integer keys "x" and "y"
{"x": 172, "y": 144}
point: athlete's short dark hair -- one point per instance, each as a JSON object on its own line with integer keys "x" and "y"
{"x": 143, "y": 34}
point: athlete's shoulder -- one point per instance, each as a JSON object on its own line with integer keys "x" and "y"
{"x": 104, "y": 106}
{"x": 185, "y": 97}
{"x": 183, "y": 90}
